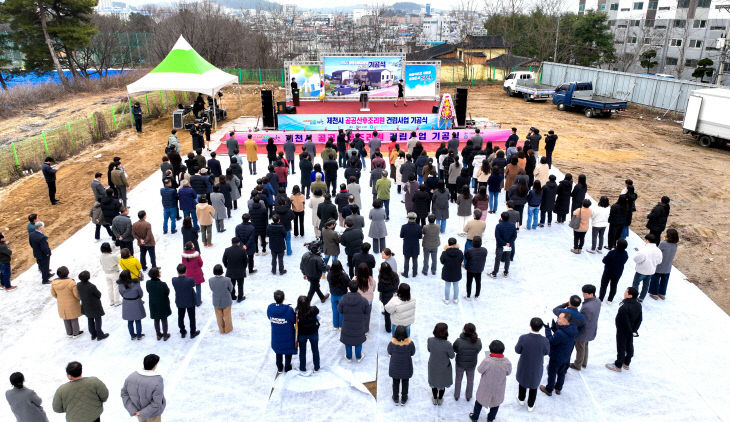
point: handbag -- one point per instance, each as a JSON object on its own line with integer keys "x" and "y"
{"x": 575, "y": 221}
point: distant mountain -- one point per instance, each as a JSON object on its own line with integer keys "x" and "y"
{"x": 249, "y": 4}
{"x": 407, "y": 6}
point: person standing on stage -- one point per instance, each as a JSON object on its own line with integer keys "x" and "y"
{"x": 294, "y": 84}
{"x": 363, "y": 97}
{"x": 401, "y": 94}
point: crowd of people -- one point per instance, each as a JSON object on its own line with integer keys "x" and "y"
{"x": 468, "y": 180}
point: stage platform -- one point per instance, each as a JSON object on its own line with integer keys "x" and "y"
{"x": 346, "y": 114}
{"x": 353, "y": 107}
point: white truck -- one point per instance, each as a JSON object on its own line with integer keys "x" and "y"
{"x": 525, "y": 84}
{"x": 706, "y": 116}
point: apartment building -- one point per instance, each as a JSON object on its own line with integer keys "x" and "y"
{"x": 680, "y": 31}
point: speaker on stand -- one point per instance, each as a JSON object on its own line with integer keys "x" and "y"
{"x": 267, "y": 109}
{"x": 460, "y": 105}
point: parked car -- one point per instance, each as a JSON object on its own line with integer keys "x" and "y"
{"x": 525, "y": 84}
{"x": 580, "y": 96}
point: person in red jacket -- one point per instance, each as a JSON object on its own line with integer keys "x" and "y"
{"x": 281, "y": 170}
{"x": 194, "y": 269}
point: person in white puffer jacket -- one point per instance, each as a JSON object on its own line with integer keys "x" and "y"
{"x": 402, "y": 308}
{"x": 646, "y": 261}
{"x": 110, "y": 265}
{"x": 599, "y": 222}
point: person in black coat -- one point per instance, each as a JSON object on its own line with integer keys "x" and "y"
{"x": 364, "y": 257}
{"x": 451, "y": 259}
{"x": 312, "y": 267}
{"x": 189, "y": 233}
{"x": 354, "y": 309}
{"x": 547, "y": 203}
{"x": 185, "y": 300}
{"x": 214, "y": 165}
{"x": 246, "y": 233}
{"x": 421, "y": 204}
{"x": 614, "y": 262}
{"x": 562, "y": 202}
{"x": 351, "y": 240}
{"x": 474, "y": 260}
{"x": 110, "y": 207}
{"x": 401, "y": 350}
{"x": 49, "y": 174}
{"x": 411, "y": 233}
{"x": 91, "y": 305}
{"x": 259, "y": 215}
{"x": 276, "y": 233}
{"x": 628, "y": 321}
{"x": 235, "y": 260}
{"x": 326, "y": 211}
{"x": 41, "y": 251}
{"x": 617, "y": 216}
{"x": 388, "y": 283}
{"x": 550, "y": 141}
{"x": 657, "y": 219}
{"x": 579, "y": 193}
{"x": 330, "y": 173}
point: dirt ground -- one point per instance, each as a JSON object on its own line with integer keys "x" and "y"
{"x": 655, "y": 154}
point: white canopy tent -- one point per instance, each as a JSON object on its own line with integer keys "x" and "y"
{"x": 183, "y": 69}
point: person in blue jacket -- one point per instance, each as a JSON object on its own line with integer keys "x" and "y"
{"x": 571, "y": 307}
{"x": 185, "y": 301}
{"x": 505, "y": 234}
{"x": 282, "y": 320}
{"x": 613, "y": 267}
{"x": 188, "y": 200}
{"x": 561, "y": 347}
{"x": 532, "y": 348}
{"x": 169, "y": 206}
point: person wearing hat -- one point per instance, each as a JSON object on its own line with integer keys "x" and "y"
{"x": 411, "y": 233}
{"x": 313, "y": 267}
{"x": 49, "y": 174}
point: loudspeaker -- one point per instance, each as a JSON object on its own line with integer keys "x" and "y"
{"x": 177, "y": 118}
{"x": 460, "y": 105}
{"x": 291, "y": 110}
{"x": 435, "y": 109}
{"x": 267, "y": 109}
{"x": 281, "y": 107}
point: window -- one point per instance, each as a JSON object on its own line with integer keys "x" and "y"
{"x": 653, "y": 5}
{"x": 631, "y": 40}
{"x": 711, "y": 48}
{"x": 699, "y": 23}
{"x": 683, "y": 4}
{"x": 635, "y": 22}
{"x": 614, "y": 6}
{"x": 626, "y": 9}
{"x": 618, "y": 41}
{"x": 603, "y": 6}
{"x": 611, "y": 22}
{"x": 621, "y": 25}
{"x": 672, "y": 61}
{"x": 695, "y": 43}
{"x": 649, "y": 23}
{"x": 581, "y": 7}
{"x": 717, "y": 28}
{"x": 660, "y": 27}
{"x": 690, "y": 62}
{"x": 675, "y": 42}
{"x": 638, "y": 5}
{"x": 678, "y": 23}
{"x": 665, "y": 8}
{"x": 647, "y": 40}
{"x": 703, "y": 3}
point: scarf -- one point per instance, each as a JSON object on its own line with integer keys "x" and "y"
{"x": 496, "y": 355}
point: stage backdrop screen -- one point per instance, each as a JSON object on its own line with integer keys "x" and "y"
{"x": 420, "y": 80}
{"x": 308, "y": 78}
{"x": 343, "y": 75}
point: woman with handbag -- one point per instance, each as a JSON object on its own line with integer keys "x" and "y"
{"x": 579, "y": 224}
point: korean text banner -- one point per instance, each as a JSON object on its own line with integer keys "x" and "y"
{"x": 357, "y": 121}
{"x": 420, "y": 80}
{"x": 344, "y": 75}
{"x": 308, "y": 79}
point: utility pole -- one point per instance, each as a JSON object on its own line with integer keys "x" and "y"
{"x": 725, "y": 46}
{"x": 557, "y": 32}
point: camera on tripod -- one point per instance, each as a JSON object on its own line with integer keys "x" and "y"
{"x": 189, "y": 125}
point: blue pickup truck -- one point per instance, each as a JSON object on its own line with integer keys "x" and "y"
{"x": 580, "y": 96}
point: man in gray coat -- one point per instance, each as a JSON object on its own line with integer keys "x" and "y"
{"x": 232, "y": 146}
{"x": 289, "y": 152}
{"x": 122, "y": 230}
{"x": 374, "y": 144}
{"x": 477, "y": 140}
{"x": 310, "y": 147}
{"x": 590, "y": 309}
{"x": 430, "y": 244}
{"x": 143, "y": 393}
{"x": 222, "y": 287}
{"x": 24, "y": 402}
{"x": 98, "y": 188}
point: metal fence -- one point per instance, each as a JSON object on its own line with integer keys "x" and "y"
{"x": 259, "y": 76}
{"x": 650, "y": 91}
